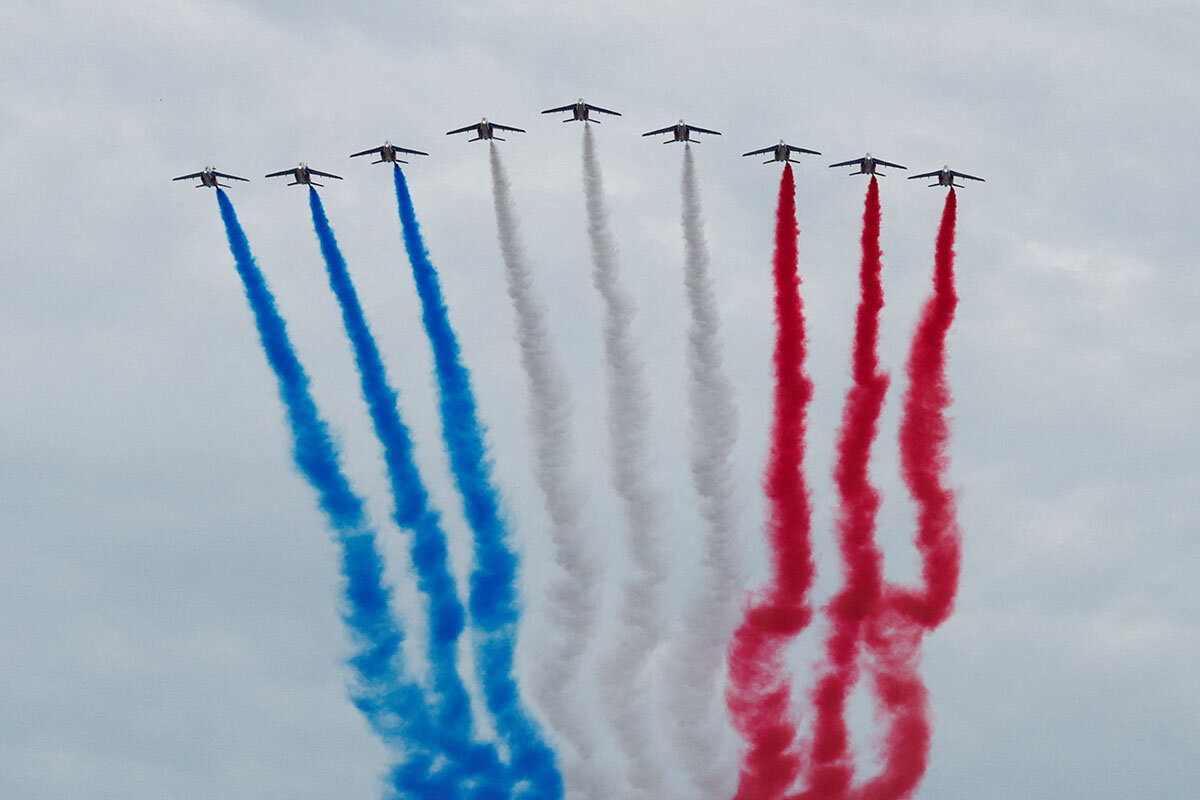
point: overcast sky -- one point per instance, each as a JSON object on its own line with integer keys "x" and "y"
{"x": 168, "y": 594}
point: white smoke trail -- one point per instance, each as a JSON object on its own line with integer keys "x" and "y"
{"x": 573, "y": 592}
{"x": 623, "y": 674}
{"x": 699, "y": 726}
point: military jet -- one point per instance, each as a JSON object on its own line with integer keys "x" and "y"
{"x": 682, "y": 132}
{"x": 867, "y": 164}
{"x": 210, "y": 177}
{"x": 485, "y": 130}
{"x": 782, "y": 152}
{"x": 303, "y": 175}
{"x": 945, "y": 177}
{"x": 388, "y": 153}
{"x": 581, "y": 111}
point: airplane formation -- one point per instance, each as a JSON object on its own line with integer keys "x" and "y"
{"x": 580, "y": 112}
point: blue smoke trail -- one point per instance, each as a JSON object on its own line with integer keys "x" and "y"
{"x": 493, "y": 600}
{"x": 394, "y": 706}
{"x": 413, "y": 512}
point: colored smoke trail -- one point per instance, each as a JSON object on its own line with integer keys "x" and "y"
{"x": 623, "y": 681}
{"x": 893, "y": 650}
{"x": 394, "y": 706}
{"x": 895, "y": 637}
{"x": 493, "y": 599}
{"x": 759, "y": 694}
{"x": 832, "y": 766}
{"x": 412, "y": 512}
{"x": 924, "y": 437}
{"x": 696, "y": 719}
{"x": 573, "y": 597}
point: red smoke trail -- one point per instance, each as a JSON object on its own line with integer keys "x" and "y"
{"x": 832, "y": 765}
{"x": 902, "y": 706}
{"x": 924, "y": 435}
{"x": 759, "y": 694}
{"x": 895, "y": 635}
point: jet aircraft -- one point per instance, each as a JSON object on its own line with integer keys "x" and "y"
{"x": 210, "y": 177}
{"x": 682, "y": 132}
{"x": 945, "y": 177}
{"x": 388, "y": 152}
{"x": 581, "y": 111}
{"x": 867, "y": 164}
{"x": 303, "y": 174}
{"x": 485, "y": 130}
{"x": 782, "y": 152}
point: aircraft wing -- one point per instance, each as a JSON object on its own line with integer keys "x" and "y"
{"x": 795, "y": 149}
{"x": 324, "y": 174}
{"x": 852, "y": 162}
{"x": 368, "y": 152}
{"x": 557, "y": 110}
{"x": 602, "y": 110}
{"x": 923, "y": 174}
{"x": 702, "y": 130}
{"x": 759, "y": 152}
{"x": 413, "y": 152}
{"x": 189, "y": 177}
{"x": 889, "y": 164}
{"x": 467, "y": 129}
{"x": 281, "y": 173}
{"x": 507, "y": 128}
{"x": 668, "y": 129}
{"x": 964, "y": 175}
{"x": 230, "y": 177}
